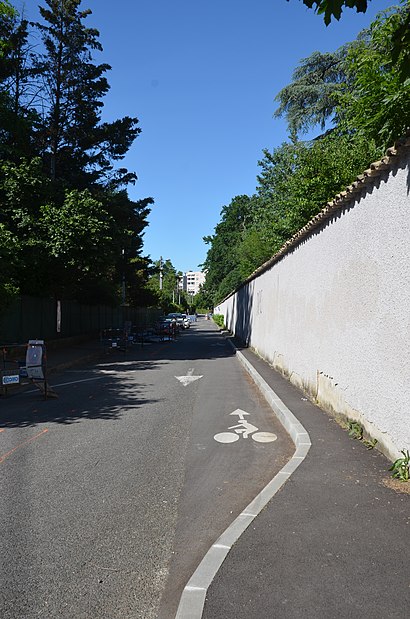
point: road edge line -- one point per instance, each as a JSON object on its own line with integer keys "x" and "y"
{"x": 192, "y": 600}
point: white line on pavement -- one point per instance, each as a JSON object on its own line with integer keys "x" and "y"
{"x": 74, "y": 382}
{"x": 84, "y": 380}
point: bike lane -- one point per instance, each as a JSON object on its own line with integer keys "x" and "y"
{"x": 236, "y": 446}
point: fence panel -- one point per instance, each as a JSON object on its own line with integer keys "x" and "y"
{"x": 36, "y": 318}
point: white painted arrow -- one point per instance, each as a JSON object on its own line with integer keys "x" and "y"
{"x": 240, "y": 413}
{"x": 189, "y": 378}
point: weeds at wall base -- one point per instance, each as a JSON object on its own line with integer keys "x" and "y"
{"x": 356, "y": 431}
{"x": 401, "y": 467}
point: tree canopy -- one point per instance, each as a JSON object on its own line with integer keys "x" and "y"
{"x": 311, "y": 99}
{"x": 359, "y": 86}
{"x": 164, "y": 284}
{"x": 377, "y": 103}
{"x": 357, "y": 100}
{"x": 67, "y": 225}
{"x": 334, "y": 8}
{"x": 400, "y": 36}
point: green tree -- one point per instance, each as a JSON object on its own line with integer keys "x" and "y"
{"x": 73, "y": 229}
{"x": 163, "y": 276}
{"x": 222, "y": 261}
{"x": 256, "y": 247}
{"x": 7, "y": 21}
{"x": 377, "y": 105}
{"x": 23, "y": 189}
{"x": 77, "y": 238}
{"x": 165, "y": 287}
{"x": 400, "y": 35}
{"x": 18, "y": 90}
{"x": 295, "y": 183}
{"x": 334, "y": 8}
{"x": 70, "y": 243}
{"x": 312, "y": 97}
{"x": 203, "y": 300}
{"x": 400, "y": 52}
{"x": 78, "y": 146}
{"x": 359, "y": 87}
{"x": 139, "y": 293}
{"x": 129, "y": 223}
{"x": 9, "y": 251}
{"x": 297, "y": 180}
{"x": 60, "y": 242}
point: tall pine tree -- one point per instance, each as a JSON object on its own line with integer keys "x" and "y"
{"x": 77, "y": 146}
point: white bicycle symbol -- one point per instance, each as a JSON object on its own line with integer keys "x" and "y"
{"x": 244, "y": 429}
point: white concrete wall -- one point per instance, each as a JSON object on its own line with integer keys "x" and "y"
{"x": 333, "y": 314}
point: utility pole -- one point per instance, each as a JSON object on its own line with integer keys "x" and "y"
{"x": 179, "y": 280}
{"x": 160, "y": 273}
{"x": 123, "y": 278}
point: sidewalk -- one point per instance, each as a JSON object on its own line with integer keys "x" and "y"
{"x": 334, "y": 541}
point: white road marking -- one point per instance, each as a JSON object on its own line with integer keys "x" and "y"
{"x": 264, "y": 437}
{"x": 83, "y": 380}
{"x": 226, "y": 437}
{"x": 245, "y": 429}
{"x": 240, "y": 413}
{"x": 186, "y": 380}
{"x": 189, "y": 378}
{"x": 74, "y": 382}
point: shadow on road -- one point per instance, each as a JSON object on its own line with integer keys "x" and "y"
{"x": 197, "y": 343}
{"x": 105, "y": 391}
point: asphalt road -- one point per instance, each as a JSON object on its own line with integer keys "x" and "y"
{"x": 112, "y": 494}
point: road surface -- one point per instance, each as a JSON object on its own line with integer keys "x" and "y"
{"x": 112, "y": 494}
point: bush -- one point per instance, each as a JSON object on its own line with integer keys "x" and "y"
{"x": 219, "y": 319}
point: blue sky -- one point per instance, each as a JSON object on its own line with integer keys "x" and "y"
{"x": 201, "y": 77}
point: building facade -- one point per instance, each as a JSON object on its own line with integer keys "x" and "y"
{"x": 192, "y": 281}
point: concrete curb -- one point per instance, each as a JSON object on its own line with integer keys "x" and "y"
{"x": 192, "y": 600}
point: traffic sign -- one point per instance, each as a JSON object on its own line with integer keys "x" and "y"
{"x": 10, "y": 379}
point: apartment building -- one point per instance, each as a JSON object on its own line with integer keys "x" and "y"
{"x": 192, "y": 281}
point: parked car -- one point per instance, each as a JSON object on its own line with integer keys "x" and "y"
{"x": 187, "y": 322}
{"x": 181, "y": 319}
{"x": 165, "y": 326}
